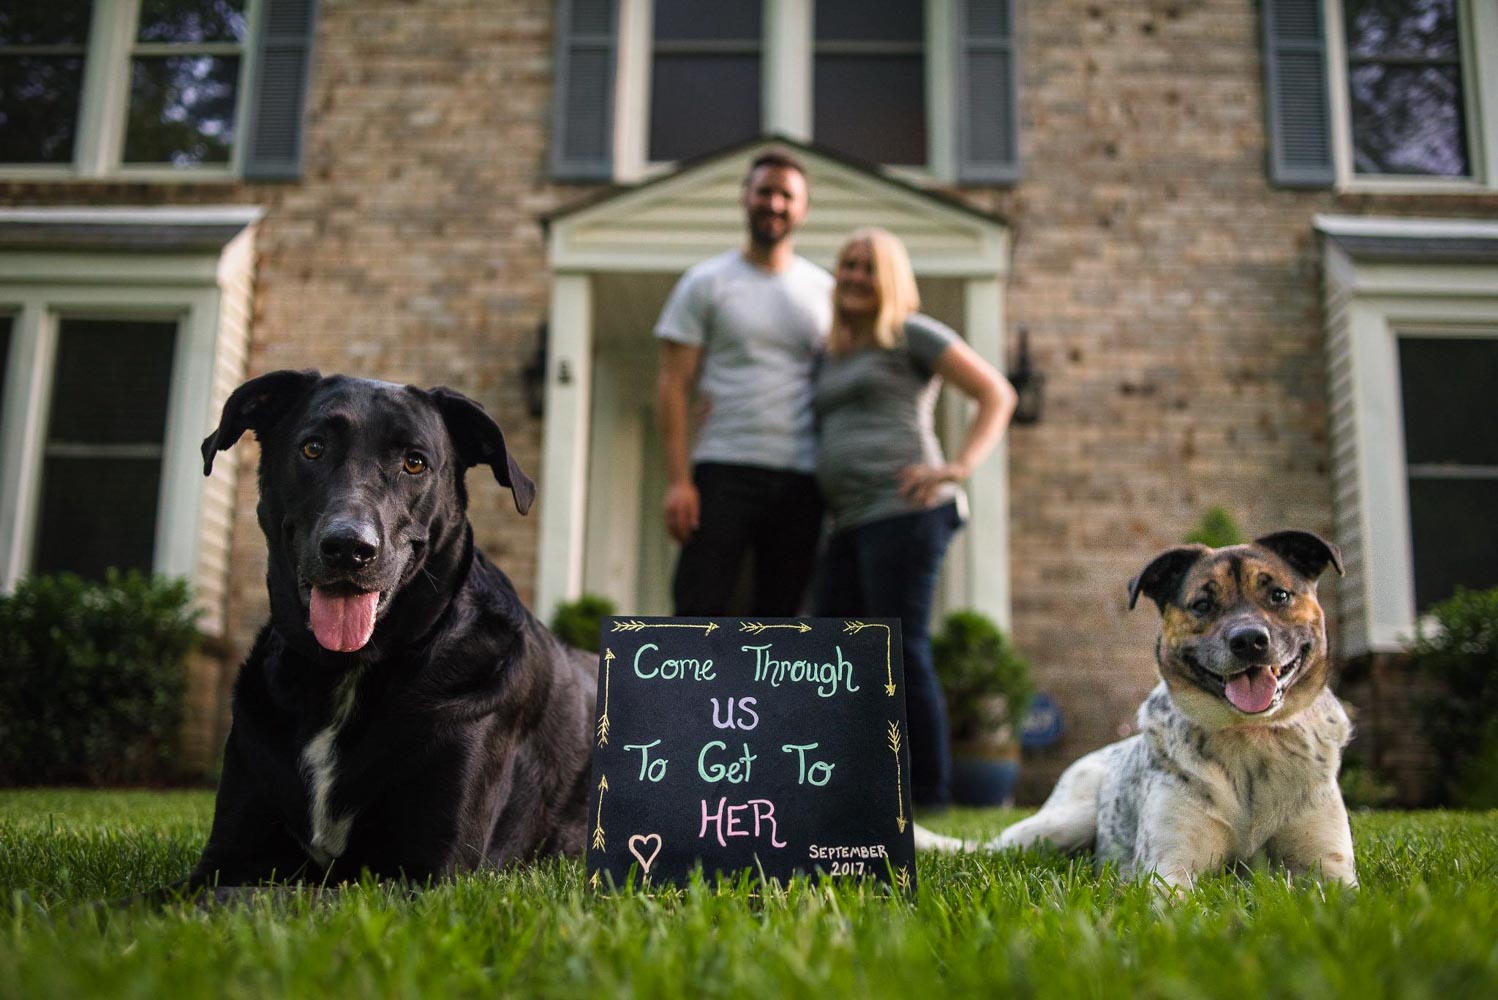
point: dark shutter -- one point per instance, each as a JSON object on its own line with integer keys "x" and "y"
{"x": 582, "y": 126}
{"x": 987, "y": 93}
{"x": 282, "y": 61}
{"x": 1296, "y": 101}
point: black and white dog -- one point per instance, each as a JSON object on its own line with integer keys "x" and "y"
{"x": 1239, "y": 744}
{"x": 402, "y": 713}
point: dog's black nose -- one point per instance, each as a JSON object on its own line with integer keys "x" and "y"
{"x": 349, "y": 545}
{"x": 1249, "y": 642}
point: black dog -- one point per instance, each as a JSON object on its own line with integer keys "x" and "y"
{"x": 402, "y": 712}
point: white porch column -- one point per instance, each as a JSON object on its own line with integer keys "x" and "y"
{"x": 988, "y": 489}
{"x": 23, "y": 436}
{"x": 564, "y": 459}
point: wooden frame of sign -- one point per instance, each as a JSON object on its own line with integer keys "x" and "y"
{"x": 774, "y": 746}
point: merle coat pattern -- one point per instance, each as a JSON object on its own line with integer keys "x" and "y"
{"x": 402, "y": 712}
{"x": 1240, "y": 743}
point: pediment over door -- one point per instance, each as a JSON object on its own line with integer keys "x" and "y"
{"x": 678, "y": 219}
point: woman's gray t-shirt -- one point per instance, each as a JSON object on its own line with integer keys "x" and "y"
{"x": 876, "y": 415}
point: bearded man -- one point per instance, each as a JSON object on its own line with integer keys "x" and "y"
{"x": 745, "y": 330}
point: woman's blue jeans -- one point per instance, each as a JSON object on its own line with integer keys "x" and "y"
{"x": 888, "y": 569}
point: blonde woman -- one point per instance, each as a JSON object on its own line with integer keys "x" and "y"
{"x": 895, "y": 501}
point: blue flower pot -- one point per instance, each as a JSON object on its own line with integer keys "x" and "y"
{"x": 982, "y": 781}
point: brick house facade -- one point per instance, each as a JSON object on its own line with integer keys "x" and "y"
{"x": 1202, "y": 314}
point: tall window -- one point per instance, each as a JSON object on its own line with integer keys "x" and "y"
{"x": 42, "y": 50}
{"x": 850, "y": 74}
{"x": 101, "y": 474}
{"x": 1408, "y": 103}
{"x": 121, "y": 83}
{"x": 184, "y": 80}
{"x": 1451, "y": 446}
{"x": 869, "y": 79}
{"x": 705, "y": 76}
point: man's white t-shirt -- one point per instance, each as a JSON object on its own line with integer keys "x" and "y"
{"x": 761, "y": 335}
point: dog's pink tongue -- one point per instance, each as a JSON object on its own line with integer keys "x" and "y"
{"x": 1252, "y": 691}
{"x": 343, "y": 622}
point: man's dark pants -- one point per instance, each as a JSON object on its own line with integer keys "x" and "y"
{"x": 773, "y": 514}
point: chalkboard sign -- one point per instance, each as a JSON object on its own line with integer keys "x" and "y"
{"x": 776, "y": 746}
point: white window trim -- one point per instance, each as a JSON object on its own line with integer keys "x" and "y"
{"x": 786, "y": 82}
{"x": 197, "y": 290}
{"x": 1479, "y": 82}
{"x": 104, "y": 100}
{"x": 1370, "y": 305}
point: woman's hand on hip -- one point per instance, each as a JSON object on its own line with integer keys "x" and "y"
{"x": 921, "y": 484}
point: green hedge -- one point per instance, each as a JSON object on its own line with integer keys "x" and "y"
{"x": 577, "y": 623}
{"x": 1461, "y": 655}
{"x": 92, "y": 679}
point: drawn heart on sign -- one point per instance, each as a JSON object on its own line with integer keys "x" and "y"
{"x": 638, "y": 842}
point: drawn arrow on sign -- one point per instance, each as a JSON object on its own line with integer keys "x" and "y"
{"x": 636, "y": 626}
{"x": 894, "y": 745}
{"x": 854, "y": 628}
{"x": 603, "y": 720}
{"x": 603, "y": 786}
{"x": 758, "y": 627}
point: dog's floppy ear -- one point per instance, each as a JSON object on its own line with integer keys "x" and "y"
{"x": 1307, "y": 553}
{"x": 1160, "y": 580}
{"x": 256, "y": 406}
{"x": 478, "y": 439}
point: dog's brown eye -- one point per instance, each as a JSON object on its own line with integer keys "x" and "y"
{"x": 1279, "y": 595}
{"x": 312, "y": 448}
{"x": 415, "y": 464}
{"x": 1201, "y": 605}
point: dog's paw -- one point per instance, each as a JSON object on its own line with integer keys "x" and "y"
{"x": 930, "y": 840}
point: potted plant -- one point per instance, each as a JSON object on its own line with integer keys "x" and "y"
{"x": 988, "y": 686}
{"x": 577, "y": 623}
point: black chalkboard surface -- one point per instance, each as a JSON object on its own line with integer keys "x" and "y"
{"x": 776, "y": 746}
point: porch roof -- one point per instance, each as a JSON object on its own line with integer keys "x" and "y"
{"x": 673, "y": 221}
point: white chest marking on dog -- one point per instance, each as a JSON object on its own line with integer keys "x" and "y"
{"x": 319, "y": 760}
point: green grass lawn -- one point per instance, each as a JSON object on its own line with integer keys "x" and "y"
{"x": 1424, "y": 924}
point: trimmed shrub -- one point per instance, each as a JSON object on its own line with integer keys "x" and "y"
{"x": 1216, "y": 529}
{"x": 1460, "y": 653}
{"x": 577, "y": 622}
{"x": 976, "y": 664}
{"x": 1362, "y": 788}
{"x": 92, "y": 679}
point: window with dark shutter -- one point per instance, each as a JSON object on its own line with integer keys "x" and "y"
{"x": 185, "y": 66}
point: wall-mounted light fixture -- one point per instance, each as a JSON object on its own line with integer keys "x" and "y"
{"x": 1028, "y": 383}
{"x": 533, "y": 376}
